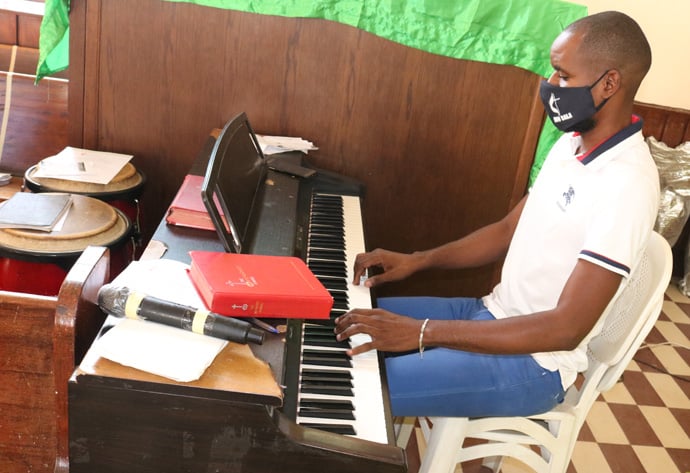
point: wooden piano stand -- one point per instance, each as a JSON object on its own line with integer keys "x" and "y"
{"x": 42, "y": 338}
{"x": 230, "y": 420}
{"x": 124, "y": 420}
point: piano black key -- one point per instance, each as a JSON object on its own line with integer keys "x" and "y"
{"x": 325, "y": 241}
{"x": 327, "y": 254}
{"x": 326, "y": 408}
{"x": 326, "y": 358}
{"x": 342, "y": 429}
{"x": 332, "y": 283}
{"x": 325, "y": 341}
{"x": 328, "y": 267}
{"x": 326, "y": 388}
{"x": 326, "y": 413}
{"x": 326, "y": 404}
{"x": 325, "y": 201}
{"x": 344, "y": 377}
{"x": 330, "y": 223}
{"x": 335, "y": 273}
{"x": 335, "y": 313}
{"x": 321, "y": 330}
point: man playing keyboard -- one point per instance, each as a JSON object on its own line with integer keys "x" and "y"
{"x": 568, "y": 245}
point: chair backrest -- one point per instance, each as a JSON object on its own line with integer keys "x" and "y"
{"x": 631, "y": 316}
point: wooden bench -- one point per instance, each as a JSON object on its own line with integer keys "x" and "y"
{"x": 42, "y": 339}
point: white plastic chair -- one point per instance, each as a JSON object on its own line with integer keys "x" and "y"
{"x": 628, "y": 320}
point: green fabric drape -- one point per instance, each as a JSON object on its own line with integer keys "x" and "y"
{"x": 516, "y": 32}
{"x": 54, "y": 39}
{"x": 512, "y": 32}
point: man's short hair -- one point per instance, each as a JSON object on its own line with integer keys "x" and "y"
{"x": 613, "y": 40}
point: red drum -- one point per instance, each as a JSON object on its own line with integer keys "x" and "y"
{"x": 122, "y": 192}
{"x": 36, "y": 262}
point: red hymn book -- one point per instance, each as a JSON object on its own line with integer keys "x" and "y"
{"x": 246, "y": 285}
{"x": 187, "y": 209}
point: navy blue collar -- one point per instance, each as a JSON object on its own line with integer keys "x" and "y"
{"x": 622, "y": 135}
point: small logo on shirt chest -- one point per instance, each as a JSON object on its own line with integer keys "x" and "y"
{"x": 566, "y": 198}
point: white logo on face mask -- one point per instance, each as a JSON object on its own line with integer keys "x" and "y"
{"x": 553, "y": 105}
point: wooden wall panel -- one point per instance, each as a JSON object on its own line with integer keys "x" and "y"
{"x": 36, "y": 120}
{"x": 443, "y": 145}
{"x": 670, "y": 125}
{"x": 28, "y": 30}
{"x": 8, "y": 27}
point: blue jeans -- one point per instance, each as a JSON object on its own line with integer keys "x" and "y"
{"x": 455, "y": 383}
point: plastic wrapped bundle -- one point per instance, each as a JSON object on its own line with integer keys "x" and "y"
{"x": 674, "y": 208}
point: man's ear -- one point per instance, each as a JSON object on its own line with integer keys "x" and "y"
{"x": 611, "y": 83}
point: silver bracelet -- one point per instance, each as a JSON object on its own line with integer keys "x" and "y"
{"x": 421, "y": 338}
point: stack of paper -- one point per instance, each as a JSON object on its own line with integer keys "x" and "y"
{"x": 44, "y": 211}
{"x": 75, "y": 164}
{"x": 165, "y": 351}
{"x": 282, "y": 144}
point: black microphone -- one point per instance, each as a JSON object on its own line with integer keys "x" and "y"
{"x": 123, "y": 302}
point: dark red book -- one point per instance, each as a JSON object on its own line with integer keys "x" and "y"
{"x": 187, "y": 209}
{"x": 245, "y": 285}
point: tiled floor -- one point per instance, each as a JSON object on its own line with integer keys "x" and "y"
{"x": 642, "y": 425}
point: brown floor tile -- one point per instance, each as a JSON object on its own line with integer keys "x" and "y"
{"x": 646, "y": 360}
{"x": 681, "y": 457}
{"x": 683, "y": 417}
{"x": 585, "y": 434}
{"x": 641, "y": 390}
{"x": 684, "y": 384}
{"x": 685, "y": 307}
{"x": 621, "y": 459}
{"x": 636, "y": 428}
{"x": 654, "y": 336}
{"x": 685, "y": 355}
{"x": 685, "y": 328}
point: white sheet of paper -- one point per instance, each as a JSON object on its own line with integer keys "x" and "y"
{"x": 166, "y": 351}
{"x": 163, "y": 278}
{"x": 281, "y": 144}
{"x": 76, "y": 164}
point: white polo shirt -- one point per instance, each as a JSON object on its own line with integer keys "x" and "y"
{"x": 600, "y": 207}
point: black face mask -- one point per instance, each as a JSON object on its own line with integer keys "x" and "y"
{"x": 570, "y": 108}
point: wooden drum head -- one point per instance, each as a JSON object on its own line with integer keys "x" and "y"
{"x": 128, "y": 180}
{"x": 89, "y": 222}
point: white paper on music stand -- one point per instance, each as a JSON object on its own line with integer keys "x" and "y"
{"x": 166, "y": 351}
{"x": 281, "y": 144}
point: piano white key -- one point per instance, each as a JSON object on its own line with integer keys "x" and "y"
{"x": 369, "y": 423}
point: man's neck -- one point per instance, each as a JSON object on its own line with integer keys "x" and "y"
{"x": 602, "y": 132}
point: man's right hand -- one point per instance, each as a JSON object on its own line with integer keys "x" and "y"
{"x": 395, "y": 266}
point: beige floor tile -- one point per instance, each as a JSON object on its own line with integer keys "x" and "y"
{"x": 604, "y": 426}
{"x": 666, "y": 427}
{"x": 674, "y": 293}
{"x": 618, "y": 394}
{"x": 675, "y": 313}
{"x": 671, "y": 359}
{"x": 669, "y": 390}
{"x": 656, "y": 459}
{"x": 633, "y": 366}
{"x": 588, "y": 458}
{"x": 672, "y": 333}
